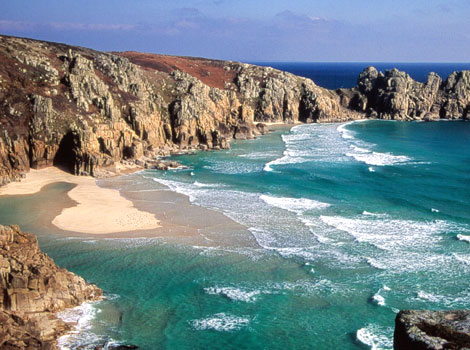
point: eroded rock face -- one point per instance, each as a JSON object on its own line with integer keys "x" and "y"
{"x": 32, "y": 290}
{"x": 85, "y": 110}
{"x": 395, "y": 95}
{"x": 432, "y": 330}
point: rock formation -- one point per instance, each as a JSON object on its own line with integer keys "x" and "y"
{"x": 85, "y": 110}
{"x": 32, "y": 290}
{"x": 395, "y": 95}
{"x": 432, "y": 330}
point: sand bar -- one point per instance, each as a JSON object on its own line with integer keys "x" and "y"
{"x": 98, "y": 210}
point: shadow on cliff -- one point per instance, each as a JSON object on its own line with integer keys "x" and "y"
{"x": 66, "y": 156}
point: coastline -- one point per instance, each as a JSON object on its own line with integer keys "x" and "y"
{"x": 110, "y": 208}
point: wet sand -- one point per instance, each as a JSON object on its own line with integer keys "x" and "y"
{"x": 97, "y": 210}
{"x": 50, "y": 201}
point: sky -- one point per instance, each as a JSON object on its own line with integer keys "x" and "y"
{"x": 253, "y": 30}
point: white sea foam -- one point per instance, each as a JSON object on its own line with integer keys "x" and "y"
{"x": 458, "y": 300}
{"x": 345, "y": 133}
{"x": 361, "y": 151}
{"x": 178, "y": 187}
{"x": 388, "y": 234}
{"x": 376, "y": 264}
{"x": 312, "y": 224}
{"x": 236, "y": 294}
{"x": 289, "y": 157}
{"x": 430, "y": 297}
{"x": 465, "y": 238}
{"x": 295, "y": 205}
{"x": 82, "y": 317}
{"x": 221, "y": 322}
{"x": 379, "y": 299}
{"x": 368, "y": 213}
{"x": 232, "y": 167}
{"x": 379, "y": 159}
{"x": 465, "y": 259}
{"x": 258, "y": 155}
{"x": 376, "y": 337}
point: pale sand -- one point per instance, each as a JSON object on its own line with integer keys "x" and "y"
{"x": 98, "y": 210}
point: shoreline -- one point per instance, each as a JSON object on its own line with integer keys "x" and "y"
{"x": 97, "y": 210}
{"x": 111, "y": 208}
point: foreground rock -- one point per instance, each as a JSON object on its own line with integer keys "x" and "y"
{"x": 32, "y": 290}
{"x": 432, "y": 330}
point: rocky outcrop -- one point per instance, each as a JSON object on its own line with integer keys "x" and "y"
{"x": 432, "y": 330}
{"x": 395, "y": 95}
{"x": 32, "y": 290}
{"x": 85, "y": 110}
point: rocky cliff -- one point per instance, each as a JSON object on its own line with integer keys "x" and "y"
{"x": 85, "y": 110}
{"x": 32, "y": 290}
{"x": 432, "y": 330}
{"x": 395, "y": 95}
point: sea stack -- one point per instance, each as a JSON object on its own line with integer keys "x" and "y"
{"x": 32, "y": 290}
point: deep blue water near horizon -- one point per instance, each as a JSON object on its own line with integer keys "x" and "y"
{"x": 335, "y": 75}
{"x": 352, "y": 222}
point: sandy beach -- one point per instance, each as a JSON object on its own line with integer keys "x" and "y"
{"x": 97, "y": 211}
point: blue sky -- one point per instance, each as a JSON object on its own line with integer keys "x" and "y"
{"x": 253, "y": 30}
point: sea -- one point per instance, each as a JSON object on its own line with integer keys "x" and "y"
{"x": 340, "y": 226}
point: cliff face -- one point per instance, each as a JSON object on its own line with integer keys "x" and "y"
{"x": 85, "y": 110}
{"x": 395, "y": 95}
{"x": 432, "y": 330}
{"x": 32, "y": 290}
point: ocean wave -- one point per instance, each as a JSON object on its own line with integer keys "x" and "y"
{"x": 461, "y": 300}
{"x": 345, "y": 133}
{"x": 378, "y": 298}
{"x": 295, "y": 205}
{"x": 81, "y": 317}
{"x": 430, "y": 297}
{"x": 287, "y": 158}
{"x": 368, "y": 213}
{"x": 361, "y": 151}
{"x": 312, "y": 224}
{"x": 205, "y": 185}
{"x": 389, "y": 234}
{"x": 376, "y": 337}
{"x": 378, "y": 158}
{"x": 220, "y": 322}
{"x": 233, "y": 167}
{"x": 178, "y": 187}
{"x": 258, "y": 155}
{"x": 376, "y": 264}
{"x": 465, "y": 259}
{"x": 462, "y": 237}
{"x": 233, "y": 293}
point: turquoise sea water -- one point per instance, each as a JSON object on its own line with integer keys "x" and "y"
{"x": 347, "y": 223}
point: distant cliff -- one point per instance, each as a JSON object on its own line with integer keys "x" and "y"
{"x": 32, "y": 290}
{"x": 85, "y": 110}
